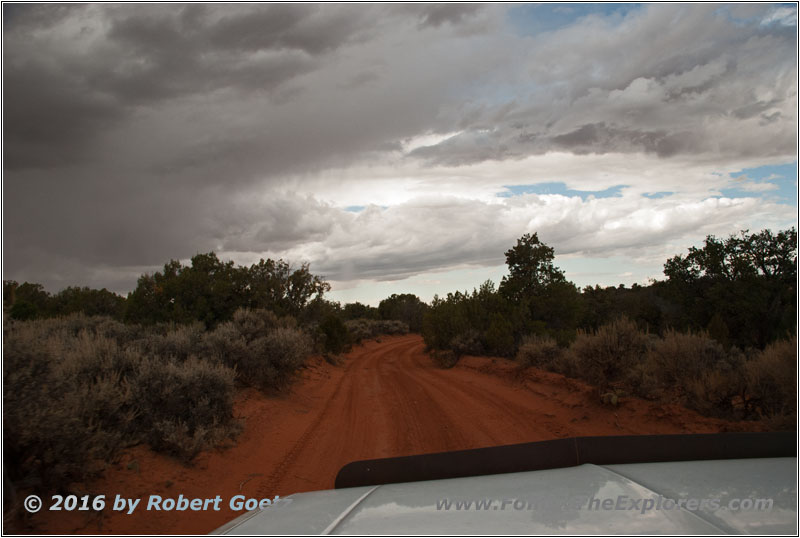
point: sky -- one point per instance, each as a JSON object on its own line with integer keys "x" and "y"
{"x": 396, "y": 148}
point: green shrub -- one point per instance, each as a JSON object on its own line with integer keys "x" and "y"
{"x": 263, "y": 349}
{"x": 444, "y": 358}
{"x": 255, "y": 323}
{"x": 335, "y": 336}
{"x": 467, "y": 343}
{"x": 445, "y": 320}
{"x": 53, "y": 429}
{"x": 771, "y": 381}
{"x": 359, "y": 329}
{"x": 539, "y": 352}
{"x": 392, "y": 327}
{"x": 689, "y": 369}
{"x": 74, "y": 396}
{"x": 609, "y": 356}
{"x": 177, "y": 341}
{"x": 678, "y": 357}
{"x": 715, "y": 393}
{"x": 695, "y": 371}
{"x": 364, "y": 329}
{"x": 65, "y": 408}
{"x": 499, "y": 337}
{"x": 23, "y": 310}
{"x": 406, "y": 307}
{"x": 225, "y": 344}
{"x": 184, "y": 406}
{"x": 272, "y": 359}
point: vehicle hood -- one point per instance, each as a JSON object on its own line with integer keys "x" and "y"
{"x": 572, "y": 500}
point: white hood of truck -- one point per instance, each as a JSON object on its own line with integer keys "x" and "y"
{"x": 585, "y": 499}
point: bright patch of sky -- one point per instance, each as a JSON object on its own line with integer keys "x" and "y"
{"x": 742, "y": 14}
{"x": 582, "y": 271}
{"x": 557, "y": 187}
{"x": 424, "y": 285}
{"x": 610, "y": 271}
{"x": 532, "y": 19}
{"x": 784, "y": 14}
{"x": 777, "y": 183}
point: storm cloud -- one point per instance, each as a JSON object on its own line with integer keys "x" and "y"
{"x": 135, "y": 134}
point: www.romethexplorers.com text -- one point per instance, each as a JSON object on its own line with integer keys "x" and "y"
{"x": 157, "y": 503}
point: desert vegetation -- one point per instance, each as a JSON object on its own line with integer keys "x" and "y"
{"x": 363, "y": 329}
{"x": 80, "y": 388}
{"x": 87, "y": 372}
{"x": 718, "y": 335}
{"x": 740, "y": 290}
{"x": 689, "y": 369}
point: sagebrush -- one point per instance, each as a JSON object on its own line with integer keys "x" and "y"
{"x": 364, "y": 329}
{"x": 691, "y": 369}
{"x": 80, "y": 388}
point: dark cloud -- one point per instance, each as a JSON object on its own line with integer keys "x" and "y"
{"x": 602, "y": 138}
{"x": 195, "y": 51}
{"x": 24, "y": 17}
{"x": 139, "y": 133}
{"x": 275, "y": 224}
{"x": 84, "y": 215}
{"x": 499, "y": 144}
{"x": 313, "y": 29}
{"x": 60, "y": 96}
{"x": 361, "y": 79}
{"x": 437, "y": 14}
{"x": 471, "y": 147}
{"x": 755, "y": 108}
{"x": 52, "y": 117}
{"x": 651, "y": 86}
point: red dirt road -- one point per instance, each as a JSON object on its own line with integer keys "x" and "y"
{"x": 386, "y": 399}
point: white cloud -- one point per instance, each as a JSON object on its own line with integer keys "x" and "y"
{"x": 757, "y": 187}
{"x": 436, "y": 232}
{"x": 786, "y": 16}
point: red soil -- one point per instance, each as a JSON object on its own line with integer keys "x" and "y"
{"x": 386, "y": 399}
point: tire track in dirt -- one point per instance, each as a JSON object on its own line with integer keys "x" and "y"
{"x": 266, "y": 486}
{"x": 495, "y": 411}
{"x": 532, "y": 414}
{"x": 366, "y": 428}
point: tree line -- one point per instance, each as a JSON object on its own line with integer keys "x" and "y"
{"x": 740, "y": 289}
{"x": 210, "y": 291}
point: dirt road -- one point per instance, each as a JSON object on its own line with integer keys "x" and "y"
{"x": 385, "y": 399}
